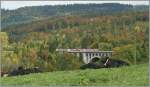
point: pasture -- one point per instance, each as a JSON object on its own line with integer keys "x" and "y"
{"x": 135, "y": 75}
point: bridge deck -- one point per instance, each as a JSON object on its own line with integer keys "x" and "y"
{"x": 90, "y": 51}
{"x": 83, "y": 51}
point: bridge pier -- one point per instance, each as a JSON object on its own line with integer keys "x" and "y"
{"x": 85, "y": 58}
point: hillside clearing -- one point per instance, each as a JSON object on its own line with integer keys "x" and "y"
{"x": 136, "y": 75}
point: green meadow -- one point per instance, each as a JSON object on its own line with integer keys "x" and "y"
{"x": 135, "y": 75}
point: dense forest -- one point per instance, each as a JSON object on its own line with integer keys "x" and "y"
{"x": 28, "y": 14}
{"x": 120, "y": 29}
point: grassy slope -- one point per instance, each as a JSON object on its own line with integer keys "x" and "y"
{"x": 136, "y": 75}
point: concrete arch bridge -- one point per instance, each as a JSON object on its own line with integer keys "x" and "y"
{"x": 87, "y": 54}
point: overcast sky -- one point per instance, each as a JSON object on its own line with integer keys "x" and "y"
{"x": 17, "y": 4}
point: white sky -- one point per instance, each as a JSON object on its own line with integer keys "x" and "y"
{"x": 17, "y": 4}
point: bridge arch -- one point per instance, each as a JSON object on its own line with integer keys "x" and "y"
{"x": 94, "y": 59}
{"x": 88, "y": 56}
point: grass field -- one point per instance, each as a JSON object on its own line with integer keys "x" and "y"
{"x": 136, "y": 75}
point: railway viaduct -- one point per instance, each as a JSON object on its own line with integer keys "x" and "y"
{"x": 87, "y": 54}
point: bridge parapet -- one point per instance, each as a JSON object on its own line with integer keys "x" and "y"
{"x": 77, "y": 50}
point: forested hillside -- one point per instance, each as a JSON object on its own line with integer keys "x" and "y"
{"x": 34, "y": 43}
{"x": 28, "y": 14}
